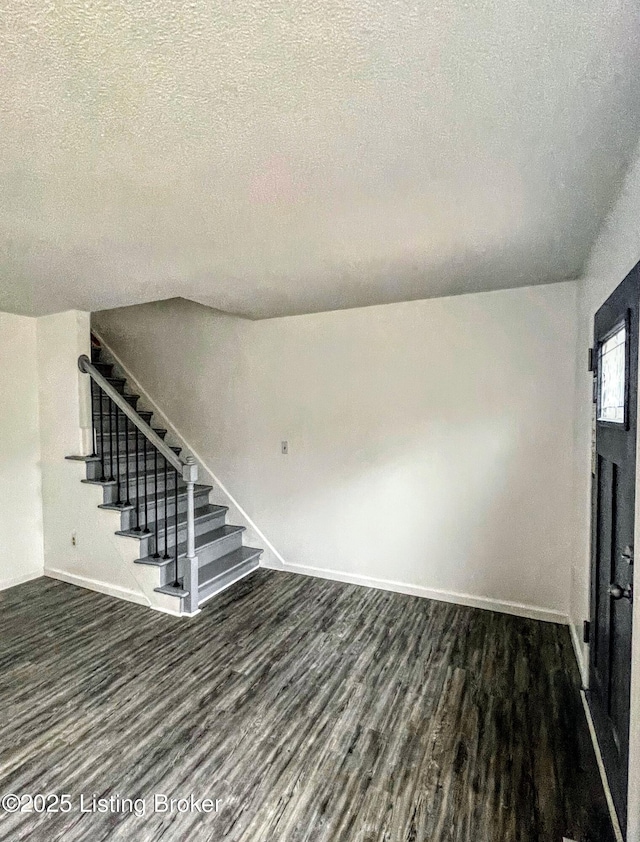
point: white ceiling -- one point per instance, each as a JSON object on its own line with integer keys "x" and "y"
{"x": 269, "y": 157}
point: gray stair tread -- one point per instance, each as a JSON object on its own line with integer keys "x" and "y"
{"x": 132, "y": 432}
{"x": 133, "y": 452}
{"x": 172, "y": 590}
{"x": 202, "y": 541}
{"x": 182, "y": 489}
{"x": 211, "y": 571}
{"x": 207, "y": 512}
{"x": 123, "y": 395}
{"x": 182, "y": 493}
{"x": 117, "y": 507}
{"x": 148, "y": 474}
{"x": 83, "y": 458}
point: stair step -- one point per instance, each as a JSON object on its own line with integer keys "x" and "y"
{"x": 110, "y": 439}
{"x": 160, "y": 431}
{"x": 118, "y": 384}
{"x": 218, "y": 575}
{"x": 107, "y": 426}
{"x": 128, "y": 514}
{"x": 99, "y": 469}
{"x": 212, "y": 569}
{"x": 204, "y": 542}
{"x": 172, "y": 590}
{"x": 203, "y": 516}
{"x": 131, "y": 398}
{"x": 147, "y": 485}
{"x": 118, "y": 444}
{"x": 105, "y": 369}
{"x": 111, "y": 491}
{"x": 224, "y": 571}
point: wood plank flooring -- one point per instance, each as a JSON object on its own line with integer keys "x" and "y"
{"x": 314, "y": 711}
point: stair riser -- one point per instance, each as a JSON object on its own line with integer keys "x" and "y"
{"x": 108, "y": 427}
{"x": 121, "y": 444}
{"x": 220, "y": 548}
{"x": 148, "y": 543}
{"x": 118, "y": 384}
{"x": 128, "y": 518}
{"x": 111, "y": 491}
{"x": 205, "y": 555}
{"x": 105, "y": 369}
{"x": 95, "y": 469}
{"x": 132, "y": 400}
{"x": 227, "y": 577}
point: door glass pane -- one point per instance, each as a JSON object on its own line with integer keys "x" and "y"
{"x": 612, "y": 378}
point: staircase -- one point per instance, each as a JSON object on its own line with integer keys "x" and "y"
{"x": 157, "y": 508}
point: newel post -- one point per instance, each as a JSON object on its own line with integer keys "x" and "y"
{"x": 190, "y": 476}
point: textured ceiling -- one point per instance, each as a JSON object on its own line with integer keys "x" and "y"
{"x": 282, "y": 156}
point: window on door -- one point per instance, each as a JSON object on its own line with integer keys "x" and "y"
{"x": 612, "y": 379}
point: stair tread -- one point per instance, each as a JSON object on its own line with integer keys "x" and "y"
{"x": 117, "y": 507}
{"x": 82, "y": 458}
{"x": 202, "y": 541}
{"x": 156, "y": 430}
{"x": 172, "y": 590}
{"x": 182, "y": 492}
{"x": 140, "y": 453}
{"x": 142, "y": 476}
{"x": 201, "y": 514}
{"x": 105, "y": 414}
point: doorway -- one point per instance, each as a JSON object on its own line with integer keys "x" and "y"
{"x": 615, "y": 358}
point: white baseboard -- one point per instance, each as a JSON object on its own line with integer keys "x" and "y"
{"x": 95, "y": 585}
{"x": 579, "y": 653}
{"x": 515, "y": 608}
{"x": 603, "y": 774}
{"x": 5, "y": 584}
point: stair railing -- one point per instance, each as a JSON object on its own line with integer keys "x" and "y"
{"x": 165, "y": 463}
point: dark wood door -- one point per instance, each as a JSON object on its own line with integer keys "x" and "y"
{"x": 613, "y": 515}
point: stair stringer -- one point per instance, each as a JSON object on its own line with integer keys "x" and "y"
{"x": 100, "y": 560}
{"x": 271, "y": 558}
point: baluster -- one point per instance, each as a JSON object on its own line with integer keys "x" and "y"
{"x": 146, "y": 529}
{"x": 117, "y": 413}
{"x": 102, "y": 453}
{"x": 155, "y": 497}
{"x": 94, "y": 437}
{"x": 127, "y": 426}
{"x": 175, "y": 550}
{"x": 137, "y": 526}
{"x": 166, "y": 510}
{"x": 109, "y": 407}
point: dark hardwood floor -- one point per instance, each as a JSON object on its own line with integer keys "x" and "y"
{"x": 312, "y": 710}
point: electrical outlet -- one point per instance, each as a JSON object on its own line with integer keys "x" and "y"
{"x": 285, "y": 448}
{"x": 74, "y": 539}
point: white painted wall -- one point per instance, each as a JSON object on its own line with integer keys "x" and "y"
{"x": 20, "y": 508}
{"x": 430, "y": 442}
{"x": 615, "y": 253}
